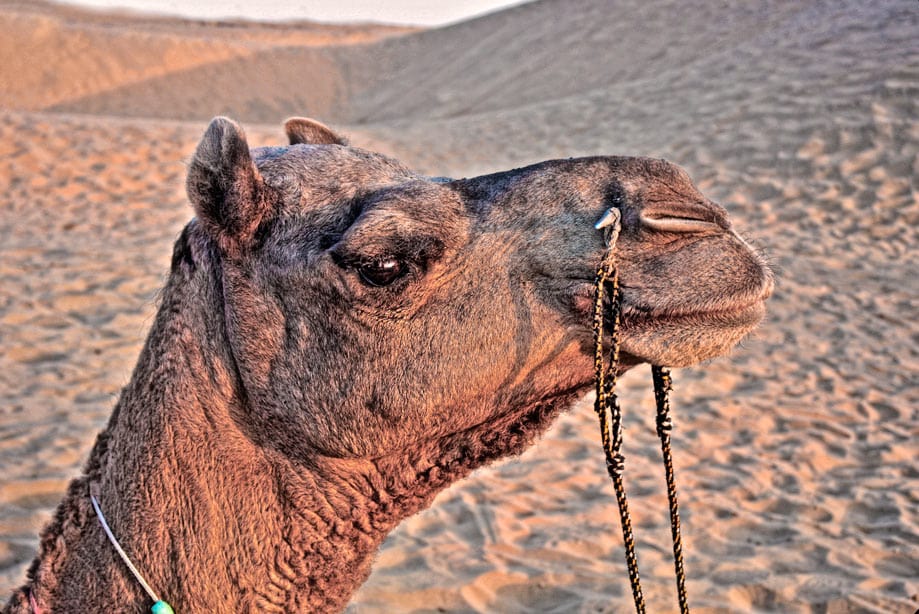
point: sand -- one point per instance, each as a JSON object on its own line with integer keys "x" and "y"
{"x": 796, "y": 455}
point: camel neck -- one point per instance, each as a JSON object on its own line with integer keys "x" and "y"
{"x": 214, "y": 521}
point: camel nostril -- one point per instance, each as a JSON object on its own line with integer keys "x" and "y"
{"x": 679, "y": 224}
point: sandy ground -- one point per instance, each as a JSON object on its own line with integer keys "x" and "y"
{"x": 796, "y": 456}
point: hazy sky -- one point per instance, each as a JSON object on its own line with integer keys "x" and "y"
{"x": 424, "y": 12}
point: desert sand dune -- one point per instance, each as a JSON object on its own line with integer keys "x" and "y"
{"x": 54, "y": 55}
{"x": 292, "y": 78}
{"x": 796, "y": 456}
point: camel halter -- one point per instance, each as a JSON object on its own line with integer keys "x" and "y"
{"x": 607, "y": 408}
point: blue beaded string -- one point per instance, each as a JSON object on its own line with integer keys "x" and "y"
{"x": 159, "y": 606}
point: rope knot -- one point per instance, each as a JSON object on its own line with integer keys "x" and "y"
{"x": 616, "y": 464}
{"x": 664, "y": 424}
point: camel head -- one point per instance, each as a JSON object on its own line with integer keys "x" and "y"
{"x": 369, "y": 308}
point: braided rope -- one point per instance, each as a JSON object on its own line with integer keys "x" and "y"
{"x": 607, "y": 408}
{"x": 609, "y": 413}
{"x": 662, "y": 386}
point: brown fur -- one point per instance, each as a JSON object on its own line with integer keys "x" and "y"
{"x": 285, "y": 414}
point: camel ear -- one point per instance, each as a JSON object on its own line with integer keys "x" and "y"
{"x": 225, "y": 187}
{"x": 309, "y": 131}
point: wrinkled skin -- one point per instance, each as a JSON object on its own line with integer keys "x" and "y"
{"x": 341, "y": 338}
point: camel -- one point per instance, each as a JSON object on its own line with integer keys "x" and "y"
{"x": 340, "y": 338}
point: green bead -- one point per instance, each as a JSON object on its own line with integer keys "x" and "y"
{"x": 161, "y": 607}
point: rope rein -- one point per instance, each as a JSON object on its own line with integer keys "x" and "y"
{"x": 662, "y": 387}
{"x": 609, "y": 413}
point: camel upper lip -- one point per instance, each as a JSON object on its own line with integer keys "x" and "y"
{"x": 740, "y": 313}
{"x": 741, "y": 308}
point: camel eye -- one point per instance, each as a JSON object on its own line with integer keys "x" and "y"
{"x": 381, "y": 272}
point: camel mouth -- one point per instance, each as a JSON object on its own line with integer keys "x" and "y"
{"x": 739, "y": 310}
{"x": 679, "y": 335}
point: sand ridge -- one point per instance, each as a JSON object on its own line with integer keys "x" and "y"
{"x": 795, "y": 456}
{"x": 54, "y": 55}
